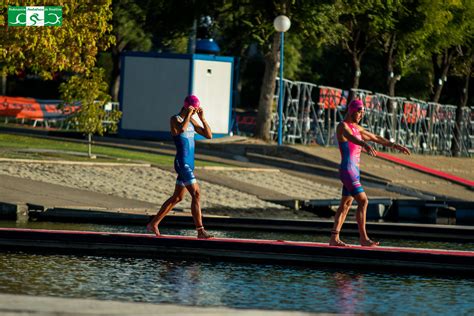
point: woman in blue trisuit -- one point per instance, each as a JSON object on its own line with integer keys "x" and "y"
{"x": 183, "y": 128}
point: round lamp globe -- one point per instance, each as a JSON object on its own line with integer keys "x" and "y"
{"x": 282, "y": 23}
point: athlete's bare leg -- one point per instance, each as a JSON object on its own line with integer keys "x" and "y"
{"x": 339, "y": 218}
{"x": 177, "y": 197}
{"x": 362, "y": 203}
{"x": 196, "y": 210}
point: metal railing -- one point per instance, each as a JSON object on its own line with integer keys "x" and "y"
{"x": 311, "y": 114}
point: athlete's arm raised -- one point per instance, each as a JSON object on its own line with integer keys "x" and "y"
{"x": 178, "y": 127}
{"x": 382, "y": 141}
{"x": 204, "y": 130}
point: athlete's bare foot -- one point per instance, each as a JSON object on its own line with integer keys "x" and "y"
{"x": 337, "y": 243}
{"x": 369, "y": 243}
{"x": 203, "y": 234}
{"x": 153, "y": 229}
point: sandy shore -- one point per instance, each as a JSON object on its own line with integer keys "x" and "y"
{"x": 285, "y": 184}
{"x": 148, "y": 184}
{"x": 155, "y": 185}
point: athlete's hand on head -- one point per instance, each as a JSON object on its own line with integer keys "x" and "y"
{"x": 191, "y": 111}
{"x": 200, "y": 112}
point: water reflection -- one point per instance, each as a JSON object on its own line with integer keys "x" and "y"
{"x": 349, "y": 291}
{"x": 191, "y": 282}
{"x": 233, "y": 285}
{"x": 183, "y": 282}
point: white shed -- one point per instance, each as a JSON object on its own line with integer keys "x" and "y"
{"x": 153, "y": 87}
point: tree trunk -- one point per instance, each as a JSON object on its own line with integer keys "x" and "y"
{"x": 457, "y": 146}
{"x": 239, "y": 68}
{"x": 267, "y": 89}
{"x": 4, "y": 84}
{"x": 391, "y": 86}
{"x": 441, "y": 72}
{"x": 391, "y": 107}
{"x": 391, "y": 78}
{"x": 357, "y": 72}
{"x": 115, "y": 85}
{"x": 391, "y": 82}
{"x": 465, "y": 90}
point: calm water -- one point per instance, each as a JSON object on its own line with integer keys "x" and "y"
{"x": 233, "y": 285}
{"x": 230, "y": 284}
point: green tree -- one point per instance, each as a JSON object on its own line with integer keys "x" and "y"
{"x": 171, "y": 22}
{"x": 313, "y": 21}
{"x": 159, "y": 25}
{"x": 362, "y": 23}
{"x": 403, "y": 39}
{"x": 129, "y": 28}
{"x": 452, "y": 24}
{"x": 463, "y": 68}
{"x": 91, "y": 91}
{"x": 451, "y": 51}
{"x": 402, "y": 36}
{"x": 71, "y": 47}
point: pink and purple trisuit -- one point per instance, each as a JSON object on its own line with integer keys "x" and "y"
{"x": 349, "y": 169}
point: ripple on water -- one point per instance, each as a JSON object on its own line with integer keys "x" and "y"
{"x": 187, "y": 282}
{"x": 233, "y": 285}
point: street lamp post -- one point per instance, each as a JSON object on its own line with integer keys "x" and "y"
{"x": 282, "y": 24}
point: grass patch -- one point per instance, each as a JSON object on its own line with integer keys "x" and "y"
{"x": 13, "y": 146}
{"x": 68, "y": 156}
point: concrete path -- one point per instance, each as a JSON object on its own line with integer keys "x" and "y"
{"x": 409, "y": 178}
{"x": 376, "y": 173}
{"x": 17, "y": 190}
{"x": 53, "y": 306}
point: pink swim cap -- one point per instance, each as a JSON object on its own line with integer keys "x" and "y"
{"x": 355, "y": 106}
{"x": 192, "y": 100}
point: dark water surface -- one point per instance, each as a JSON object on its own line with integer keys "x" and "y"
{"x": 237, "y": 285}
